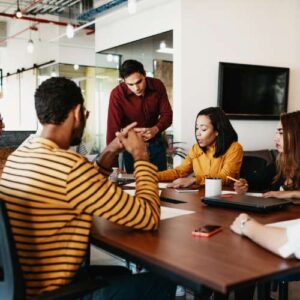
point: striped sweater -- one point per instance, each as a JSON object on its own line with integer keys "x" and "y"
{"x": 51, "y": 196}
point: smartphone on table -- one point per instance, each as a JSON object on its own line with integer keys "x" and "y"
{"x": 207, "y": 230}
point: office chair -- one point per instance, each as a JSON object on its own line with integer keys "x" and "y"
{"x": 12, "y": 285}
{"x": 258, "y": 168}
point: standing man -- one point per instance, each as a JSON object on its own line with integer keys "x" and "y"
{"x": 52, "y": 193}
{"x": 143, "y": 100}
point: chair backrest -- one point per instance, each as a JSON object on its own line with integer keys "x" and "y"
{"x": 259, "y": 168}
{"x": 12, "y": 286}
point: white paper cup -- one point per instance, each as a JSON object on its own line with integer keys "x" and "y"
{"x": 213, "y": 186}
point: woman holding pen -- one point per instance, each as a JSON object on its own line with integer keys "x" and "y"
{"x": 287, "y": 142}
{"x": 216, "y": 153}
{"x": 284, "y": 242}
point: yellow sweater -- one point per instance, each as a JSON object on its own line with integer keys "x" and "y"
{"x": 51, "y": 196}
{"x": 203, "y": 164}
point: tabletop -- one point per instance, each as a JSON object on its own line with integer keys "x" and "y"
{"x": 222, "y": 262}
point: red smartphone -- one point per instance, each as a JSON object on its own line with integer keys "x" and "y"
{"x": 207, "y": 230}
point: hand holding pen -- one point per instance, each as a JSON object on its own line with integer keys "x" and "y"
{"x": 240, "y": 185}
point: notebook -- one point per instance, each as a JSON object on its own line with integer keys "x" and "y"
{"x": 246, "y": 202}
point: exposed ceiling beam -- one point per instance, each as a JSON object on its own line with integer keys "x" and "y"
{"x": 90, "y": 14}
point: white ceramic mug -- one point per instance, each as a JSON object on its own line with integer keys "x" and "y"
{"x": 213, "y": 186}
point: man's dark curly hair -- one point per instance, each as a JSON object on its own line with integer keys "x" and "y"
{"x": 55, "y": 98}
{"x": 131, "y": 66}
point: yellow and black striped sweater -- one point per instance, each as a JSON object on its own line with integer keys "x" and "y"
{"x": 51, "y": 196}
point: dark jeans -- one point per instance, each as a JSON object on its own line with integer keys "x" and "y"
{"x": 157, "y": 155}
{"x": 135, "y": 287}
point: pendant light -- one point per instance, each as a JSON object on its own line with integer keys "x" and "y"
{"x": 70, "y": 30}
{"x": 19, "y": 14}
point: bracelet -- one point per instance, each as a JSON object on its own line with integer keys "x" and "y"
{"x": 243, "y": 223}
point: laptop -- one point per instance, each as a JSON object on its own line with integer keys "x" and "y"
{"x": 246, "y": 202}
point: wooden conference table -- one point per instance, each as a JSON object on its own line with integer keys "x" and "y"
{"x": 222, "y": 262}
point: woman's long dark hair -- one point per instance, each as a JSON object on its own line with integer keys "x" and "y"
{"x": 288, "y": 162}
{"x": 220, "y": 122}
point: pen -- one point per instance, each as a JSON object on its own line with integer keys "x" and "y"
{"x": 233, "y": 179}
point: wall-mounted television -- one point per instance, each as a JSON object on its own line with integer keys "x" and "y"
{"x": 252, "y": 92}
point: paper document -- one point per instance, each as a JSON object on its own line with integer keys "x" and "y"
{"x": 285, "y": 224}
{"x": 161, "y": 185}
{"x": 186, "y": 191}
{"x": 166, "y": 212}
{"x": 169, "y": 212}
{"x": 248, "y": 194}
{"x": 126, "y": 176}
{"x": 132, "y": 192}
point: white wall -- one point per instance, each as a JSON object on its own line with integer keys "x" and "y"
{"x": 241, "y": 31}
{"x": 79, "y": 50}
{"x": 118, "y": 27}
{"x": 206, "y": 32}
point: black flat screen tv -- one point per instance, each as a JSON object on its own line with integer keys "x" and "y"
{"x": 252, "y": 92}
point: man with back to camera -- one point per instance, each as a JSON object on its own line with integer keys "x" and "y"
{"x": 144, "y": 100}
{"x": 52, "y": 193}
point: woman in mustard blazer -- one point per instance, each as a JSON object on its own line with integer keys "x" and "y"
{"x": 216, "y": 153}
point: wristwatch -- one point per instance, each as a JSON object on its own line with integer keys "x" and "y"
{"x": 243, "y": 223}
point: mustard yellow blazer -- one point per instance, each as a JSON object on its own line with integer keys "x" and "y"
{"x": 203, "y": 164}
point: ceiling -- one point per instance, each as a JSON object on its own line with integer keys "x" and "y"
{"x": 42, "y": 7}
{"x": 82, "y": 11}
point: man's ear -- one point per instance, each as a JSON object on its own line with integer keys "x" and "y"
{"x": 77, "y": 112}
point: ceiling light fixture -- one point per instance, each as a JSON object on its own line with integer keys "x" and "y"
{"x": 162, "y": 45}
{"x": 76, "y": 67}
{"x": 131, "y": 5}
{"x": 109, "y": 57}
{"x": 30, "y": 46}
{"x": 70, "y": 31}
{"x": 116, "y": 58}
{"x": 19, "y": 14}
{"x": 166, "y": 50}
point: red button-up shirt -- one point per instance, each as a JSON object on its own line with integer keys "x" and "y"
{"x": 152, "y": 109}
